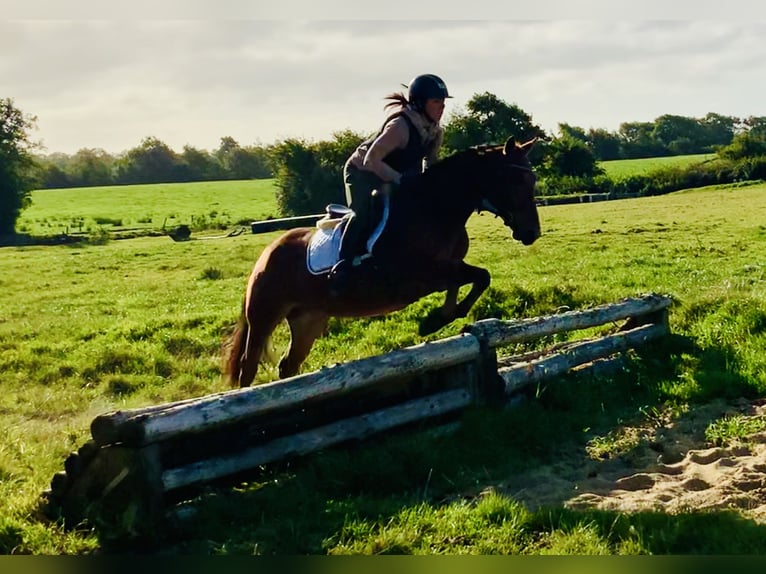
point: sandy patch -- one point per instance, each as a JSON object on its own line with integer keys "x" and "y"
{"x": 673, "y": 470}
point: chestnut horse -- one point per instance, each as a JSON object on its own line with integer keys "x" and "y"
{"x": 420, "y": 251}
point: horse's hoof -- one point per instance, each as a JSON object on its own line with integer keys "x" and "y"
{"x": 431, "y": 323}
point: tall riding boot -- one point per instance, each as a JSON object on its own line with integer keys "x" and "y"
{"x": 339, "y": 275}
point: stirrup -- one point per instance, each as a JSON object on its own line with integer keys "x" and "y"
{"x": 339, "y": 277}
{"x": 341, "y": 266}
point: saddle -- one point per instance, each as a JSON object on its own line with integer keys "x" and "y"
{"x": 324, "y": 247}
{"x": 335, "y": 214}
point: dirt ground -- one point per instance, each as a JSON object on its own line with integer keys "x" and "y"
{"x": 670, "y": 469}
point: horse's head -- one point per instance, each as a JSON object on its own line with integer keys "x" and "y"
{"x": 508, "y": 190}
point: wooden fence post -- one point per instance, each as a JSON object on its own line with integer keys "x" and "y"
{"x": 119, "y": 492}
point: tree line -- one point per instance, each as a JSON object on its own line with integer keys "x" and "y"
{"x": 153, "y": 161}
{"x": 308, "y": 174}
{"x": 485, "y": 119}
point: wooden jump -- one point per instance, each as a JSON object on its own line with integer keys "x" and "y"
{"x": 141, "y": 460}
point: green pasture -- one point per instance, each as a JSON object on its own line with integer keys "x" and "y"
{"x": 90, "y": 328}
{"x": 200, "y": 205}
{"x": 619, "y": 168}
{"x": 99, "y": 211}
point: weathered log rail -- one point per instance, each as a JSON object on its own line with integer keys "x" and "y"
{"x": 282, "y": 223}
{"x": 141, "y": 460}
{"x": 143, "y": 426}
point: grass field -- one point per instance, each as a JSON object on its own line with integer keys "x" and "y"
{"x": 201, "y": 205}
{"x": 90, "y": 328}
{"x": 619, "y": 168}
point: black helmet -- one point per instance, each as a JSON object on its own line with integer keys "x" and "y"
{"x": 424, "y": 87}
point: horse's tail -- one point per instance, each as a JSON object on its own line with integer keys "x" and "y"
{"x": 236, "y": 347}
{"x": 246, "y": 352}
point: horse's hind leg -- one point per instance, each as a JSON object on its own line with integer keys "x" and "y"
{"x": 258, "y": 337}
{"x": 305, "y": 328}
{"x": 262, "y": 319}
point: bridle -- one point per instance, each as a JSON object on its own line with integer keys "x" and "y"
{"x": 487, "y": 205}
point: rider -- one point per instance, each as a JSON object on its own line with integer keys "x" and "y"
{"x": 408, "y": 143}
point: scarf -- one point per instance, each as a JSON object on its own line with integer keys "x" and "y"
{"x": 427, "y": 129}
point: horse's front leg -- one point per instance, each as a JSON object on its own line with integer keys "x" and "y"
{"x": 455, "y": 275}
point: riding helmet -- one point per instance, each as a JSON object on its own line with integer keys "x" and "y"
{"x": 424, "y": 87}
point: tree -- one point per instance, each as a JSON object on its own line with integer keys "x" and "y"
{"x": 90, "y": 167}
{"x": 488, "y": 120}
{"x": 573, "y": 132}
{"x": 16, "y": 164}
{"x": 52, "y": 170}
{"x": 669, "y": 129}
{"x": 295, "y": 163}
{"x": 685, "y": 146}
{"x": 226, "y": 155}
{"x": 331, "y": 156}
{"x": 604, "y": 144}
{"x": 568, "y": 156}
{"x": 637, "y": 140}
{"x": 309, "y": 176}
{"x": 258, "y": 162}
{"x": 719, "y": 130}
{"x": 756, "y": 126}
{"x": 52, "y": 176}
{"x": 151, "y": 162}
{"x": 243, "y": 162}
{"x": 744, "y": 145}
{"x": 200, "y": 165}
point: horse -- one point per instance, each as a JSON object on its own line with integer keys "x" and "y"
{"x": 419, "y": 251}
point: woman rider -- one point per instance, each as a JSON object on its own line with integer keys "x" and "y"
{"x": 406, "y": 144}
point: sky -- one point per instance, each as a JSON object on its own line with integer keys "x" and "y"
{"x": 192, "y": 72}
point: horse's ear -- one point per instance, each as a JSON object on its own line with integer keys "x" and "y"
{"x": 510, "y": 145}
{"x": 525, "y": 147}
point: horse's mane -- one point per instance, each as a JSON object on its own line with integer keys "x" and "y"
{"x": 458, "y": 156}
{"x": 456, "y": 159}
{"x": 443, "y": 173}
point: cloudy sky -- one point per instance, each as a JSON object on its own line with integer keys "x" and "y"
{"x": 190, "y": 73}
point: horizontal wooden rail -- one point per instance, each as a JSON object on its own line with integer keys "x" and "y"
{"x": 496, "y": 332}
{"x": 312, "y": 440}
{"x": 267, "y": 225}
{"x": 143, "y": 426}
{"x": 523, "y": 374}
